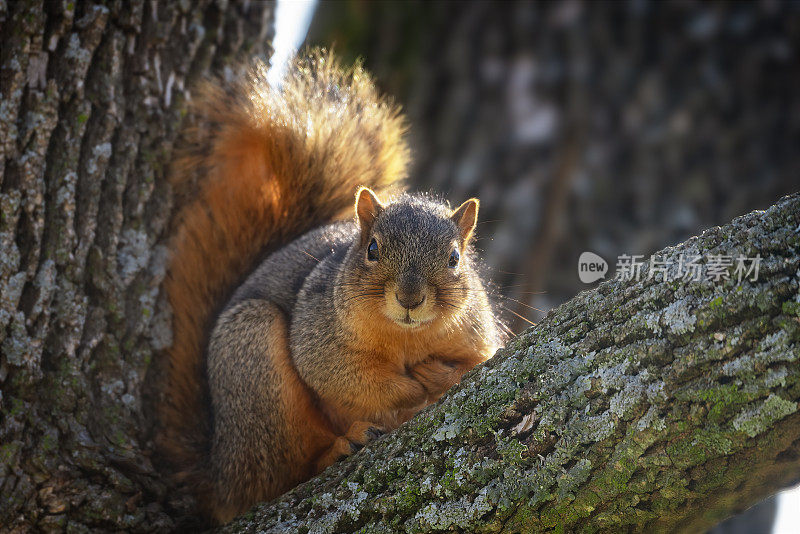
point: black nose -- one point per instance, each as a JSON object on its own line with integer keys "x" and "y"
{"x": 410, "y": 301}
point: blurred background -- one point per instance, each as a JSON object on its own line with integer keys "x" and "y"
{"x": 611, "y": 127}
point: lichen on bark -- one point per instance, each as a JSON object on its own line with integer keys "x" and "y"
{"x": 645, "y": 405}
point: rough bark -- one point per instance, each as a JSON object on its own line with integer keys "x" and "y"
{"x": 91, "y": 98}
{"x": 647, "y": 406}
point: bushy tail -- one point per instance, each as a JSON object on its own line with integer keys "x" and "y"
{"x": 273, "y": 164}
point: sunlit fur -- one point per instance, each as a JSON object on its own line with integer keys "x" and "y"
{"x": 285, "y": 411}
{"x": 262, "y": 167}
{"x": 415, "y": 237}
{"x": 363, "y": 319}
{"x": 287, "y": 344}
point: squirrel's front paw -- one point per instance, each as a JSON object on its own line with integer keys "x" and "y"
{"x": 359, "y": 434}
{"x": 436, "y": 376}
{"x": 362, "y": 432}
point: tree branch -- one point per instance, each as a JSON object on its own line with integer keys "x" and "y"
{"x": 650, "y": 405}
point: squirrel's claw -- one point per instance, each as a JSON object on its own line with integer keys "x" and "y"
{"x": 359, "y": 434}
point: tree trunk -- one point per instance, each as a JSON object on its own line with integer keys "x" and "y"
{"x": 92, "y": 96}
{"x": 645, "y": 405}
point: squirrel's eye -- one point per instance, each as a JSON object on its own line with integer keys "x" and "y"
{"x": 453, "y": 261}
{"x": 372, "y": 250}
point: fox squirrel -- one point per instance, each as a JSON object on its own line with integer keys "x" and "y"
{"x": 341, "y": 330}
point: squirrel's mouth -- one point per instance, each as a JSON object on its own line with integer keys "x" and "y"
{"x": 408, "y": 317}
{"x": 406, "y": 321}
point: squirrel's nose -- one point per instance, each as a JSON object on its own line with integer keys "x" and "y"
{"x": 410, "y": 302}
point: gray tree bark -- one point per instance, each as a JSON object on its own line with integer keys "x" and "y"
{"x": 645, "y": 406}
{"x": 91, "y": 98}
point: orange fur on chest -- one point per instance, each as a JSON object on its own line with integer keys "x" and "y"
{"x": 388, "y": 350}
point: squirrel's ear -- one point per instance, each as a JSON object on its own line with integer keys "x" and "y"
{"x": 367, "y": 209}
{"x": 465, "y": 217}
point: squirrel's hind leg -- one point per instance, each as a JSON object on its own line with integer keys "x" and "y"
{"x": 268, "y": 432}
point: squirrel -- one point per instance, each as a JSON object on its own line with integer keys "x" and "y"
{"x": 315, "y": 306}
